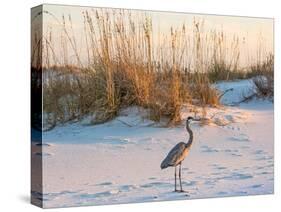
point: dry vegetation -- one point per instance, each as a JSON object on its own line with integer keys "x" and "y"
{"x": 126, "y": 67}
{"x": 264, "y": 79}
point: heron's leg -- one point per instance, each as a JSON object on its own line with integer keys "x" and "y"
{"x": 180, "y": 177}
{"x": 175, "y": 178}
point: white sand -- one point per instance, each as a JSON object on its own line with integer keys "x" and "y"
{"x": 115, "y": 163}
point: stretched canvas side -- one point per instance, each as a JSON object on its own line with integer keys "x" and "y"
{"x": 36, "y": 107}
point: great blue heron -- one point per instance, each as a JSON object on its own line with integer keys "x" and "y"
{"x": 178, "y": 154}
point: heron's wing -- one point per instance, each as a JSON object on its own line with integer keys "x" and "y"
{"x": 174, "y": 155}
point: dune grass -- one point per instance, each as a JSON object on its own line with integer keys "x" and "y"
{"x": 125, "y": 66}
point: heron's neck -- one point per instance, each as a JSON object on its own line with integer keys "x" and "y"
{"x": 190, "y": 135}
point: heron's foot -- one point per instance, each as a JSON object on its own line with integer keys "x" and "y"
{"x": 176, "y": 190}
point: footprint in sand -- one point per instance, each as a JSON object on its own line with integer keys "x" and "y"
{"x": 221, "y": 193}
{"x": 264, "y": 173}
{"x": 155, "y": 184}
{"x": 241, "y": 193}
{"x": 152, "y": 178}
{"x": 208, "y": 149}
{"x": 236, "y": 155}
{"x": 98, "y": 195}
{"x": 128, "y": 187}
{"x": 189, "y": 183}
{"x": 240, "y": 138}
{"x": 220, "y": 168}
{"x": 256, "y": 186}
{"x": 263, "y": 158}
{"x": 104, "y": 184}
{"x": 210, "y": 182}
{"x": 258, "y": 152}
{"x": 237, "y": 176}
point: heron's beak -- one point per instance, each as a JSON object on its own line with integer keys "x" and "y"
{"x": 200, "y": 119}
{"x": 197, "y": 119}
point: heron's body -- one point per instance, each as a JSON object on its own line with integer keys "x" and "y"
{"x": 178, "y": 154}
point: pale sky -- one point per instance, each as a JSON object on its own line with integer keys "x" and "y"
{"x": 249, "y": 29}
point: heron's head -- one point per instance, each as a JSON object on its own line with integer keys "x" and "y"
{"x": 189, "y": 119}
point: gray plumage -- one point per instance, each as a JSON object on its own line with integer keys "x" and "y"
{"x": 173, "y": 157}
{"x": 178, "y": 153}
